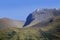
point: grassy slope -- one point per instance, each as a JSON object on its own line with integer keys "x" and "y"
{"x": 50, "y": 32}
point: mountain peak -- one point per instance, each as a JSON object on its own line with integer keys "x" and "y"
{"x": 38, "y": 10}
{"x": 40, "y": 15}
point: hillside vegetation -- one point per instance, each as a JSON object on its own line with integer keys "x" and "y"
{"x": 48, "y": 32}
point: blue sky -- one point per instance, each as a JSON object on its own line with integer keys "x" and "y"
{"x": 20, "y": 9}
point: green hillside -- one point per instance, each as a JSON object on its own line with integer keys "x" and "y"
{"x": 49, "y": 32}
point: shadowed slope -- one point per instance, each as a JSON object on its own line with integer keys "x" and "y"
{"x": 29, "y": 19}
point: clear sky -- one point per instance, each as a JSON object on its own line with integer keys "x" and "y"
{"x": 19, "y": 9}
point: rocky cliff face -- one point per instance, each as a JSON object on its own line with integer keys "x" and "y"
{"x": 40, "y": 15}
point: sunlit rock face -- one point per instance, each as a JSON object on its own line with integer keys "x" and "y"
{"x": 40, "y": 15}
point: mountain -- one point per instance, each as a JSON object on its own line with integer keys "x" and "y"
{"x": 8, "y": 23}
{"x": 45, "y": 23}
{"x": 41, "y": 15}
{"x": 42, "y": 24}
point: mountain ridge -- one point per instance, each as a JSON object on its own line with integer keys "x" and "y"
{"x": 40, "y": 15}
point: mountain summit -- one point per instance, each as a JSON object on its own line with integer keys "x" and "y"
{"x": 40, "y": 15}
